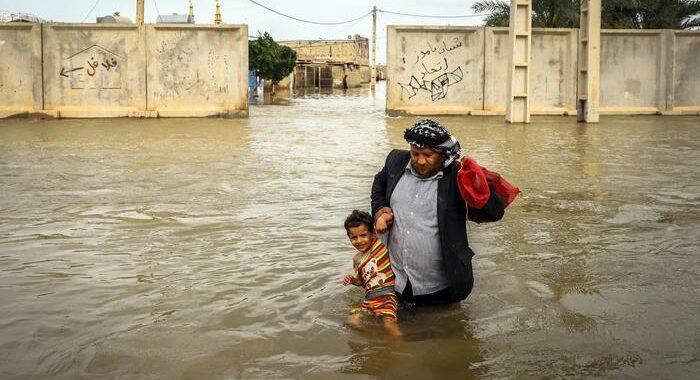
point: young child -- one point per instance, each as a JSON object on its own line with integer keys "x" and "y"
{"x": 372, "y": 272}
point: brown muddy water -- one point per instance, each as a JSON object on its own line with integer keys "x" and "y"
{"x": 214, "y": 249}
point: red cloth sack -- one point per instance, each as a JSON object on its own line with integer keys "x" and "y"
{"x": 474, "y": 181}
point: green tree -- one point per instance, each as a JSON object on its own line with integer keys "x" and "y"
{"x": 271, "y": 60}
{"x": 497, "y": 11}
{"x": 651, "y": 14}
{"x": 545, "y": 13}
{"x": 620, "y": 14}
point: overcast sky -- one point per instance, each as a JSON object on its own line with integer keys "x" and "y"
{"x": 260, "y": 19}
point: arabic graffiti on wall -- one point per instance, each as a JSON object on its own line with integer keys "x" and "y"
{"x": 185, "y": 69}
{"x": 92, "y": 64}
{"x": 434, "y": 69}
{"x": 93, "y": 68}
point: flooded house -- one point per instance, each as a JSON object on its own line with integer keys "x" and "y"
{"x": 329, "y": 63}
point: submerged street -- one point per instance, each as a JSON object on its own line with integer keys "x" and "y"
{"x": 214, "y": 248}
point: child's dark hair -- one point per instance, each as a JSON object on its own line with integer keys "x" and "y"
{"x": 358, "y": 218}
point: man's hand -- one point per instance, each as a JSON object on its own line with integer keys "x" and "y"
{"x": 350, "y": 280}
{"x": 384, "y": 221}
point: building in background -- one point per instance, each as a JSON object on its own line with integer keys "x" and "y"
{"x": 116, "y": 18}
{"x": 330, "y": 63}
{"x": 174, "y": 19}
{"x": 177, "y": 18}
{"x": 19, "y": 17}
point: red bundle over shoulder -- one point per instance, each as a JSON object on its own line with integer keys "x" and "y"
{"x": 474, "y": 182}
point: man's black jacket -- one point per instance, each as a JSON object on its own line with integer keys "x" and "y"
{"x": 452, "y": 218}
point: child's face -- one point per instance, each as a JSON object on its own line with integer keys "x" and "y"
{"x": 360, "y": 237}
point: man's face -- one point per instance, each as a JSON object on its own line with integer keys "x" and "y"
{"x": 426, "y": 161}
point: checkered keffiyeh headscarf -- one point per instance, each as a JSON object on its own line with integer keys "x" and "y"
{"x": 429, "y": 133}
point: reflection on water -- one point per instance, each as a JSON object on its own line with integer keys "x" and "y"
{"x": 207, "y": 248}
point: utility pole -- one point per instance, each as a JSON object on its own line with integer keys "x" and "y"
{"x": 139, "y": 12}
{"x": 373, "y": 80}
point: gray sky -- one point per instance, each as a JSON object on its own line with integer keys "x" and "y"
{"x": 260, "y": 19}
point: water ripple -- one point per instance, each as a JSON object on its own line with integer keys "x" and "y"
{"x": 213, "y": 248}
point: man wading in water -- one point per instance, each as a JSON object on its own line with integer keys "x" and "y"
{"x": 416, "y": 198}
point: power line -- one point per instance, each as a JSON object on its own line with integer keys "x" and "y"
{"x": 156, "y": 5}
{"x": 430, "y": 16}
{"x": 346, "y": 28}
{"x": 307, "y": 21}
{"x": 92, "y": 9}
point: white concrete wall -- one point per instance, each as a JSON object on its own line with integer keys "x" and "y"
{"x": 632, "y": 71}
{"x": 20, "y": 68}
{"x": 110, "y": 70}
{"x": 91, "y": 70}
{"x": 94, "y": 70}
{"x": 434, "y": 70}
{"x": 686, "y": 74}
{"x": 495, "y": 72}
{"x": 642, "y": 71}
{"x": 197, "y": 70}
{"x": 554, "y": 73}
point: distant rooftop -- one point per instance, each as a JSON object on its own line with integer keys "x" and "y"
{"x": 114, "y": 19}
{"x": 19, "y": 17}
{"x": 175, "y": 19}
{"x": 356, "y": 37}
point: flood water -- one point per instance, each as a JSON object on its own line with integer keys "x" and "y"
{"x": 210, "y": 248}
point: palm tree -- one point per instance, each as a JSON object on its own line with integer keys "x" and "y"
{"x": 667, "y": 14}
{"x": 497, "y": 11}
{"x": 627, "y": 14}
{"x": 545, "y": 13}
{"x": 555, "y": 13}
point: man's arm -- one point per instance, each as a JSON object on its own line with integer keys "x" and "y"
{"x": 492, "y": 211}
{"x": 378, "y": 195}
{"x": 381, "y": 212}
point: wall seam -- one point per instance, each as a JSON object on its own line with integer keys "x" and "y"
{"x": 145, "y": 58}
{"x": 670, "y": 69}
{"x": 483, "y": 72}
{"x": 41, "y": 33}
{"x": 577, "y": 99}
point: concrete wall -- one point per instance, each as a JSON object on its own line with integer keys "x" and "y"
{"x": 113, "y": 70}
{"x": 651, "y": 71}
{"x": 435, "y": 70}
{"x": 632, "y": 69}
{"x": 686, "y": 72}
{"x": 642, "y": 71}
{"x": 554, "y": 72}
{"x": 495, "y": 72}
{"x": 20, "y": 68}
{"x": 482, "y": 57}
{"x": 94, "y": 70}
{"x": 197, "y": 70}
